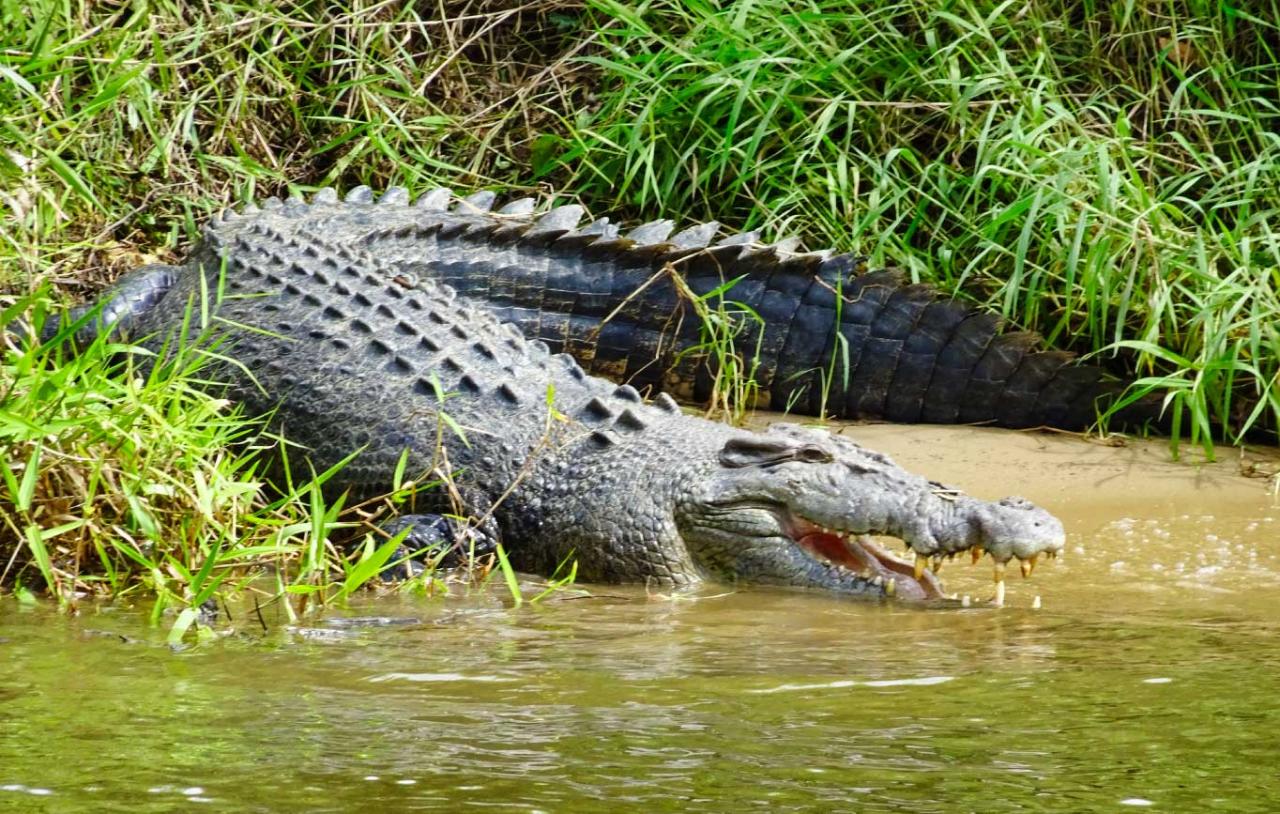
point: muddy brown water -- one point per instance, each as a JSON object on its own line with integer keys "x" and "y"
{"x": 1147, "y": 679}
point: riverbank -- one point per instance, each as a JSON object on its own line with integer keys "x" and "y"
{"x": 1106, "y": 179}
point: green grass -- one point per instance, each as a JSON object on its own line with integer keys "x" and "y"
{"x": 1105, "y": 173}
{"x": 128, "y": 478}
{"x": 1108, "y": 174}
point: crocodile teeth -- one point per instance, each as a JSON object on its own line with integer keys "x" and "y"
{"x": 869, "y": 560}
{"x": 999, "y": 580}
{"x": 1028, "y": 565}
{"x": 977, "y": 554}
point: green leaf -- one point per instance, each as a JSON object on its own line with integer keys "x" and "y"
{"x": 186, "y": 618}
{"x": 509, "y": 576}
{"x": 372, "y": 565}
{"x": 397, "y": 478}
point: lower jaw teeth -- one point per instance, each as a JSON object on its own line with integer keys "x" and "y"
{"x": 1028, "y": 565}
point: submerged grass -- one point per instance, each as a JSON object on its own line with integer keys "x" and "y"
{"x": 1107, "y": 173}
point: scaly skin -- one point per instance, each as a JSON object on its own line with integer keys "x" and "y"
{"x": 614, "y": 303}
{"x": 348, "y": 350}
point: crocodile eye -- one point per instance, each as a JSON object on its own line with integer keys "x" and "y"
{"x": 811, "y": 454}
{"x": 767, "y": 452}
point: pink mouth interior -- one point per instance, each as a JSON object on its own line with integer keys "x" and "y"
{"x": 860, "y": 554}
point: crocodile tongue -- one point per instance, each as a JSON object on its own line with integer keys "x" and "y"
{"x": 860, "y": 554}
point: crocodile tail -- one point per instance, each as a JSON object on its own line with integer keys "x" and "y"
{"x": 826, "y": 335}
{"x": 118, "y": 310}
{"x": 854, "y": 343}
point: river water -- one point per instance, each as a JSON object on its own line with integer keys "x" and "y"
{"x": 1147, "y": 678}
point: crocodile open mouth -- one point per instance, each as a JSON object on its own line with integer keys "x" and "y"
{"x": 861, "y": 555}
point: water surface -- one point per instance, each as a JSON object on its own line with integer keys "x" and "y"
{"x": 1146, "y": 679}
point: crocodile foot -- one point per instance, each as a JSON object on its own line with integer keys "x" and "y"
{"x": 441, "y": 540}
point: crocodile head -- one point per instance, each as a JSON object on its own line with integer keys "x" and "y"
{"x": 796, "y": 506}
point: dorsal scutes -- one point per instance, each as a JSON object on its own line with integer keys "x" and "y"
{"x": 561, "y": 219}
{"x": 520, "y": 206}
{"x": 652, "y": 233}
{"x": 437, "y": 200}
{"x": 395, "y": 196}
{"x": 481, "y": 201}
{"x": 695, "y": 237}
{"x": 740, "y": 239}
{"x": 600, "y": 228}
{"x": 664, "y": 402}
{"x": 787, "y": 246}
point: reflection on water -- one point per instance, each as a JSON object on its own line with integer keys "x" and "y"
{"x": 1147, "y": 679}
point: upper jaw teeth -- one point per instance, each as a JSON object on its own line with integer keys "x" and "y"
{"x": 934, "y": 562}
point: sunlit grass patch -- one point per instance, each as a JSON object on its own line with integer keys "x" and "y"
{"x": 127, "y": 125}
{"x": 1107, "y": 175}
{"x": 129, "y": 477}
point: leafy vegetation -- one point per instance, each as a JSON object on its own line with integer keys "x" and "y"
{"x": 126, "y": 477}
{"x": 1105, "y": 173}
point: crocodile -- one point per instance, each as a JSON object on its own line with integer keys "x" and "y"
{"x": 351, "y": 350}
{"x": 818, "y": 332}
